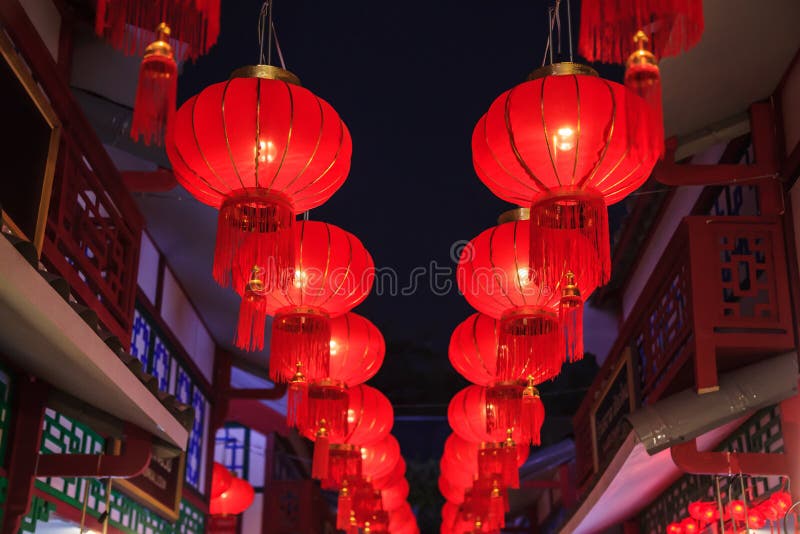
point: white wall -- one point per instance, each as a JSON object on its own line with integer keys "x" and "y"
{"x": 147, "y": 275}
{"x": 47, "y": 20}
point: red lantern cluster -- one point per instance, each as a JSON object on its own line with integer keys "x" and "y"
{"x": 738, "y": 514}
{"x": 230, "y": 495}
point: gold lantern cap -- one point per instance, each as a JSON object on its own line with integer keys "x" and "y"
{"x": 517, "y": 214}
{"x": 161, "y": 46}
{"x": 563, "y": 68}
{"x": 266, "y": 72}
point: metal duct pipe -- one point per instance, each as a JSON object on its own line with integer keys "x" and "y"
{"x": 686, "y": 415}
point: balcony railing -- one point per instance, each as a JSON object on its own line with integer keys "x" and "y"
{"x": 718, "y": 299}
{"x": 94, "y": 228}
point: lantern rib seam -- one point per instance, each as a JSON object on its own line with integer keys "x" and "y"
{"x": 608, "y": 138}
{"x": 316, "y": 147}
{"x": 225, "y": 133}
{"x": 332, "y": 163}
{"x": 497, "y": 162}
{"x": 288, "y": 135}
{"x": 577, "y": 130}
{"x": 346, "y": 275}
{"x": 258, "y": 129}
{"x": 197, "y": 143}
{"x": 513, "y": 144}
{"x": 491, "y": 263}
{"x": 196, "y": 175}
{"x": 547, "y": 136}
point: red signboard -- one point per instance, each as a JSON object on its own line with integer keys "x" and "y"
{"x": 228, "y": 524}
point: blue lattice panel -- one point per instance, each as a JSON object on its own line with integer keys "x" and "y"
{"x": 231, "y": 450}
{"x": 195, "y": 464}
{"x": 760, "y": 433}
{"x": 162, "y": 363}
{"x": 141, "y": 336}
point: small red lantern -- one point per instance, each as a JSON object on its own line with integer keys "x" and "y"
{"x": 392, "y": 478}
{"x": 783, "y": 501}
{"x": 367, "y": 418}
{"x": 235, "y": 500}
{"x": 737, "y": 510}
{"x": 689, "y": 526}
{"x": 401, "y": 518}
{"x": 755, "y": 519}
{"x": 703, "y": 511}
{"x": 607, "y": 27}
{"x": 221, "y": 480}
{"x": 502, "y": 413}
{"x": 261, "y": 149}
{"x": 473, "y": 349}
{"x": 674, "y": 528}
{"x": 451, "y": 490}
{"x": 394, "y": 496}
{"x": 379, "y": 458}
{"x": 464, "y": 461}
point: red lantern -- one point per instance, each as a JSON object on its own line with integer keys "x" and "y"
{"x": 755, "y": 519}
{"x": 498, "y": 414}
{"x": 221, "y": 480}
{"x": 737, "y": 509}
{"x": 366, "y": 502}
{"x": 495, "y": 277}
{"x": 674, "y": 528}
{"x": 782, "y": 500}
{"x": 451, "y": 490}
{"x": 394, "y": 496}
{"x": 235, "y": 500}
{"x": 379, "y": 458}
{"x": 464, "y": 461}
{"x": 473, "y": 349}
{"x": 608, "y": 26}
{"x": 560, "y": 144}
{"x": 392, "y": 478}
{"x": 401, "y": 518}
{"x": 367, "y": 418}
{"x": 331, "y": 276}
{"x": 689, "y": 526}
{"x": 703, "y": 511}
{"x": 356, "y": 353}
{"x": 261, "y": 149}
{"x": 485, "y": 504}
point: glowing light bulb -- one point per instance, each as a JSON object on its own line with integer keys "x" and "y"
{"x": 351, "y": 416}
{"x": 523, "y": 274}
{"x": 266, "y": 151}
{"x": 363, "y": 453}
{"x": 299, "y": 278}
{"x": 334, "y": 347}
{"x": 564, "y": 138}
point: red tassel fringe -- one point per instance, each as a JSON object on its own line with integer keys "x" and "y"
{"x": 608, "y": 26}
{"x": 127, "y": 24}
{"x": 155, "y": 99}
{"x": 327, "y": 408}
{"x": 319, "y": 465}
{"x": 570, "y": 316}
{"x": 503, "y": 411}
{"x": 569, "y": 232}
{"x": 255, "y": 242}
{"x": 252, "y": 322}
{"x": 530, "y": 344}
{"x": 344, "y": 509}
{"x": 645, "y": 125}
{"x": 532, "y": 416}
{"x": 497, "y": 460}
{"x": 344, "y": 464}
{"x": 302, "y": 337}
{"x": 297, "y": 405}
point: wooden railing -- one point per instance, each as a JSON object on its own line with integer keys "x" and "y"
{"x": 94, "y": 228}
{"x": 718, "y": 299}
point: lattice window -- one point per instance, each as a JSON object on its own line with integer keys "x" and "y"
{"x": 736, "y": 200}
{"x": 140, "y": 339}
{"x": 162, "y": 363}
{"x": 746, "y": 285}
{"x": 194, "y": 454}
{"x": 760, "y": 433}
{"x": 232, "y": 449}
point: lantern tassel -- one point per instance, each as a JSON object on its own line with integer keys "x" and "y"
{"x": 569, "y": 232}
{"x": 529, "y": 343}
{"x": 344, "y": 463}
{"x": 344, "y": 509}
{"x": 532, "y": 414}
{"x": 645, "y": 126}
{"x": 156, "y": 91}
{"x": 509, "y": 461}
{"x": 300, "y": 336}
{"x": 570, "y": 313}
{"x": 503, "y": 410}
{"x": 296, "y": 409}
{"x": 252, "y": 322}
{"x": 255, "y": 236}
{"x": 319, "y": 466}
{"x": 327, "y": 408}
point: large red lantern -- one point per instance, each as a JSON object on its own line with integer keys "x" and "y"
{"x": 235, "y": 500}
{"x": 559, "y": 143}
{"x": 394, "y": 496}
{"x": 608, "y": 26}
{"x": 451, "y": 490}
{"x": 379, "y": 458}
{"x": 494, "y": 275}
{"x": 495, "y": 415}
{"x": 401, "y": 518}
{"x": 221, "y": 480}
{"x": 260, "y": 148}
{"x": 392, "y": 478}
{"x": 368, "y": 417}
{"x": 473, "y": 349}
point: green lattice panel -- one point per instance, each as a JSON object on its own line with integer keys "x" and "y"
{"x": 40, "y": 511}
{"x": 760, "y": 433}
{"x": 192, "y": 520}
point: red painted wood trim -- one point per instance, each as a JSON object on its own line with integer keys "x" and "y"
{"x": 690, "y": 460}
{"x": 158, "y": 181}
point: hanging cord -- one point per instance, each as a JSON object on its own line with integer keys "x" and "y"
{"x": 569, "y": 30}
{"x": 268, "y": 34}
{"x": 552, "y": 16}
